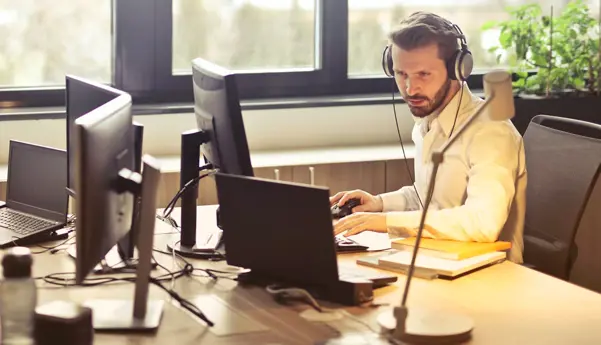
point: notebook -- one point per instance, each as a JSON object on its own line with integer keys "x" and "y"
{"x": 443, "y": 267}
{"x": 448, "y": 249}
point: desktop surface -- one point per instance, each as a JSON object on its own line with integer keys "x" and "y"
{"x": 509, "y": 303}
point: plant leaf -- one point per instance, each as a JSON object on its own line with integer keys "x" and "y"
{"x": 505, "y": 39}
{"x": 489, "y": 25}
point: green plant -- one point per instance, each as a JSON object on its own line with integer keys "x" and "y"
{"x": 563, "y": 50}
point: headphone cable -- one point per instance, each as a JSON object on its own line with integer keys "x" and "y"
{"x": 398, "y": 130}
{"x": 457, "y": 112}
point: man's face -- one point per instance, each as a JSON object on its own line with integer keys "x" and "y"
{"x": 421, "y": 76}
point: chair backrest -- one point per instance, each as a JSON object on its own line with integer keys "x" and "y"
{"x": 563, "y": 157}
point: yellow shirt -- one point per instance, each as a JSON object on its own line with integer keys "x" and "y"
{"x": 480, "y": 190}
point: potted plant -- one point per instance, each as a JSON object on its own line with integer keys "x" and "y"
{"x": 555, "y": 60}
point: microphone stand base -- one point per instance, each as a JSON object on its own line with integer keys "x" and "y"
{"x": 425, "y": 326}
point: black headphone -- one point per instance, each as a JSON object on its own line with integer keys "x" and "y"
{"x": 459, "y": 66}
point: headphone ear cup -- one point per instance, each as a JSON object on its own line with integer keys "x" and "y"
{"x": 466, "y": 65}
{"x": 460, "y": 65}
{"x": 387, "y": 61}
{"x": 452, "y": 63}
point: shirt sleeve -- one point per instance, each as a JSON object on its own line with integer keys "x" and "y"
{"x": 493, "y": 158}
{"x": 404, "y": 199}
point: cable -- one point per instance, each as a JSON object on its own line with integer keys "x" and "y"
{"x": 398, "y": 130}
{"x": 167, "y": 211}
{"x": 303, "y": 295}
{"x": 53, "y": 249}
{"x": 401, "y": 139}
{"x": 457, "y": 112}
{"x": 66, "y": 279}
{"x": 57, "y": 279}
{"x": 189, "y": 306}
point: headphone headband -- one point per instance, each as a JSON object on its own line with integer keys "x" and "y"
{"x": 460, "y": 37}
{"x": 459, "y": 65}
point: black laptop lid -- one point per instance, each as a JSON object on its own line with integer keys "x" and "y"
{"x": 279, "y": 230}
{"x": 37, "y": 178}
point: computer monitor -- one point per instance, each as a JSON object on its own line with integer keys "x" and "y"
{"x": 82, "y": 96}
{"x": 106, "y": 187}
{"x": 220, "y": 138}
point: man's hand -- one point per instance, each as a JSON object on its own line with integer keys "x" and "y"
{"x": 369, "y": 203}
{"x": 359, "y": 222}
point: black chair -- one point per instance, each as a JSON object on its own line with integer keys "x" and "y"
{"x": 563, "y": 158}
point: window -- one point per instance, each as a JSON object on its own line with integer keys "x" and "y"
{"x": 370, "y": 22}
{"x": 44, "y": 40}
{"x": 278, "y": 48}
{"x": 244, "y": 35}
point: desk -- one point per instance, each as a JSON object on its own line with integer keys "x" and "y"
{"x": 510, "y": 304}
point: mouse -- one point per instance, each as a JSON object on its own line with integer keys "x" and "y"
{"x": 346, "y": 209}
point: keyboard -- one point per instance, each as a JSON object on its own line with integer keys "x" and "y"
{"x": 21, "y": 223}
{"x": 344, "y": 244}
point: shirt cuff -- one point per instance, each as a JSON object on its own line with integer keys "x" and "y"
{"x": 403, "y": 224}
{"x": 393, "y": 201}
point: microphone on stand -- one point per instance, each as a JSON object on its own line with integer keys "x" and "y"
{"x": 435, "y": 327}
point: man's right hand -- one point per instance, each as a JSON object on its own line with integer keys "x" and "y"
{"x": 369, "y": 203}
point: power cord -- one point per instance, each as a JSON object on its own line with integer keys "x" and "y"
{"x": 66, "y": 279}
{"x": 294, "y": 293}
{"x": 166, "y": 216}
{"x": 55, "y": 248}
{"x": 210, "y": 272}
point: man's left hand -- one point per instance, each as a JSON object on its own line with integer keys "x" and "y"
{"x": 359, "y": 222}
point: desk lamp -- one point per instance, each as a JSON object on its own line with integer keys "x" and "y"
{"x": 435, "y": 327}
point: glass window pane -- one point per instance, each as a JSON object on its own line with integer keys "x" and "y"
{"x": 370, "y": 21}
{"x": 44, "y": 40}
{"x": 244, "y": 34}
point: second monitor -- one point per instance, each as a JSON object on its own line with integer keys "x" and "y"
{"x": 106, "y": 189}
{"x": 82, "y": 97}
{"x": 220, "y": 137}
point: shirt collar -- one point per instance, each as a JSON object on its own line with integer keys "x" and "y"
{"x": 446, "y": 117}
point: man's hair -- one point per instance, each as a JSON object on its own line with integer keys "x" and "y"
{"x": 424, "y": 28}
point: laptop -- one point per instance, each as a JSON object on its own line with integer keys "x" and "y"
{"x": 283, "y": 232}
{"x": 36, "y": 198}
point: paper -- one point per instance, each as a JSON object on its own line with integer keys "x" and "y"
{"x": 445, "y": 267}
{"x": 374, "y": 240}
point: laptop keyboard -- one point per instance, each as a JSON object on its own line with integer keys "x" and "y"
{"x": 21, "y": 223}
{"x": 344, "y": 244}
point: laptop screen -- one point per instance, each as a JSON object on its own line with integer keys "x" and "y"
{"x": 37, "y": 180}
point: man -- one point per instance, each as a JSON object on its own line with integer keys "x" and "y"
{"x": 479, "y": 193}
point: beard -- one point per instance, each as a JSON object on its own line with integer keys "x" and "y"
{"x": 430, "y": 104}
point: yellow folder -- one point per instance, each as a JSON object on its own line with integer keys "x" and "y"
{"x": 448, "y": 249}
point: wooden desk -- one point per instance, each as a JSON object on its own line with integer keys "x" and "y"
{"x": 510, "y": 304}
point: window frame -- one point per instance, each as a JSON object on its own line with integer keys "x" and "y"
{"x": 330, "y": 61}
{"x": 142, "y": 41}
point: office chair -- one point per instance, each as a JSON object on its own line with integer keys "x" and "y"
{"x": 563, "y": 157}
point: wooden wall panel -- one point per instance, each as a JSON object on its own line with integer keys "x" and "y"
{"x": 397, "y": 175}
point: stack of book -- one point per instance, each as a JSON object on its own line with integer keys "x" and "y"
{"x": 442, "y": 258}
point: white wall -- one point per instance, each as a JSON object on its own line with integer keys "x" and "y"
{"x": 266, "y": 129}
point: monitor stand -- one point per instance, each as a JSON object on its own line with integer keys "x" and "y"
{"x": 142, "y": 314}
{"x": 208, "y": 245}
{"x": 121, "y": 258}
{"x": 118, "y": 315}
